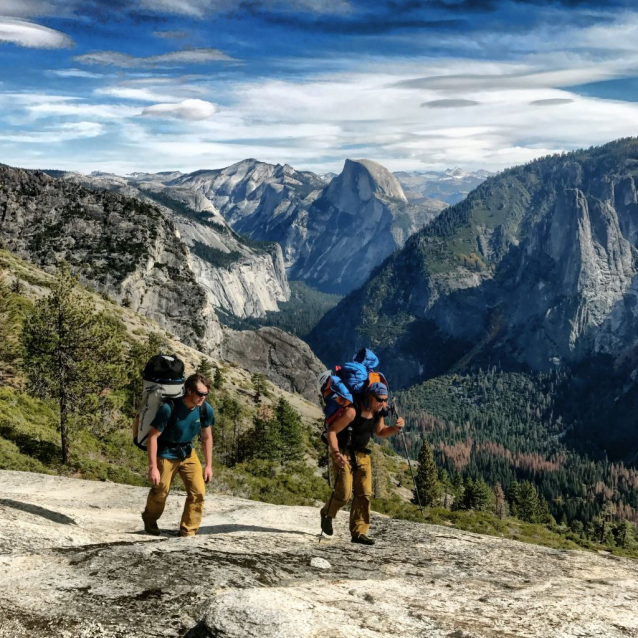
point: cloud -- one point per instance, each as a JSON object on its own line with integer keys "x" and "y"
{"x": 186, "y": 110}
{"x": 171, "y": 35}
{"x": 61, "y": 133}
{"x": 175, "y": 58}
{"x": 75, "y": 73}
{"x": 449, "y": 104}
{"x": 29, "y": 34}
{"x": 552, "y": 102}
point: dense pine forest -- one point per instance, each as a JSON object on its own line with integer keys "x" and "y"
{"x": 504, "y": 428}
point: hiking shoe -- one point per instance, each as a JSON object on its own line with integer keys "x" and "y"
{"x": 362, "y": 539}
{"x": 326, "y": 524}
{"x": 150, "y": 527}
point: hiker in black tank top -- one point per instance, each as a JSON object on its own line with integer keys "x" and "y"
{"x": 348, "y": 439}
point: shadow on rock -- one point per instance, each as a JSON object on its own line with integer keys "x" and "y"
{"x": 36, "y": 510}
{"x": 234, "y": 527}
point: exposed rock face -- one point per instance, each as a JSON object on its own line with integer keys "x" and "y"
{"x": 287, "y": 361}
{"x": 332, "y": 235}
{"x": 536, "y": 267}
{"x": 119, "y": 245}
{"x": 130, "y": 249}
{"x": 75, "y": 564}
{"x": 241, "y": 278}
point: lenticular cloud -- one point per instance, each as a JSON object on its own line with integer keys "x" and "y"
{"x": 28, "y": 34}
{"x": 186, "y": 110}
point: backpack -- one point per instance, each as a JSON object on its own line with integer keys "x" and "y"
{"x": 163, "y": 381}
{"x": 346, "y": 385}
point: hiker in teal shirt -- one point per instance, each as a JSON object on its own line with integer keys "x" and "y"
{"x": 170, "y": 452}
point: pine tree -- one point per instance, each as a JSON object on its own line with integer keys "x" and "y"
{"x": 625, "y": 533}
{"x": 266, "y": 441}
{"x": 528, "y": 505}
{"x": 72, "y": 354}
{"x": 258, "y": 380}
{"x": 218, "y": 379}
{"x": 500, "y": 503}
{"x": 11, "y": 317}
{"x": 290, "y": 432}
{"x": 204, "y": 368}
{"x": 427, "y": 478}
{"x": 544, "y": 516}
{"x": 482, "y": 497}
{"x": 513, "y": 497}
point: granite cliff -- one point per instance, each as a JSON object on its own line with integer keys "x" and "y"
{"x": 76, "y": 564}
{"x": 130, "y": 250}
{"x": 332, "y": 235}
{"x": 536, "y": 268}
{"x": 240, "y": 277}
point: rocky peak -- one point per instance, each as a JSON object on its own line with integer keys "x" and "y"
{"x": 359, "y": 182}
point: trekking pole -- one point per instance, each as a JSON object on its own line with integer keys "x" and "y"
{"x": 393, "y": 411}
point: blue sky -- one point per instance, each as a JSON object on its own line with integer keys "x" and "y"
{"x": 151, "y": 85}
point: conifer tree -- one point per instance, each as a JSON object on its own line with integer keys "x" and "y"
{"x": 11, "y": 316}
{"x": 528, "y": 505}
{"x": 500, "y": 503}
{"x": 427, "y": 478}
{"x": 482, "y": 497}
{"x": 218, "y": 379}
{"x": 204, "y": 368}
{"x": 290, "y": 431}
{"x": 258, "y": 380}
{"x": 513, "y": 497}
{"x": 72, "y": 354}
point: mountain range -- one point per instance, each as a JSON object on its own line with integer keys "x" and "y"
{"x": 535, "y": 269}
{"x": 332, "y": 233}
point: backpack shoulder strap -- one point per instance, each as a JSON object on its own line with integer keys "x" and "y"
{"x": 203, "y": 413}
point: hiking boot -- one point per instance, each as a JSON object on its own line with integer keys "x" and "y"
{"x": 326, "y": 524}
{"x": 150, "y": 527}
{"x": 362, "y": 539}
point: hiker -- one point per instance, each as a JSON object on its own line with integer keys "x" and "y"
{"x": 170, "y": 452}
{"x": 348, "y": 438}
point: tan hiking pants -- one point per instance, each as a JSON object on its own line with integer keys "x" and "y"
{"x": 359, "y": 483}
{"x": 191, "y": 473}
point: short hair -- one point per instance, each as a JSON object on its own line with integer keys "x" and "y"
{"x": 190, "y": 384}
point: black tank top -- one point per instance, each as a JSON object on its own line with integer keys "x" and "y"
{"x": 362, "y": 431}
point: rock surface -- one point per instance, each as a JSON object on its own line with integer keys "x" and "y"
{"x": 241, "y": 278}
{"x": 536, "y": 268}
{"x": 75, "y": 564}
{"x": 332, "y": 235}
{"x": 287, "y": 361}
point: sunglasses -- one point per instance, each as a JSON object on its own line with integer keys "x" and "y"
{"x": 200, "y": 394}
{"x": 382, "y": 400}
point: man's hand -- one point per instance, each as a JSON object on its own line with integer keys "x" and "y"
{"x": 340, "y": 460}
{"x": 153, "y": 475}
{"x": 400, "y": 423}
{"x": 208, "y": 474}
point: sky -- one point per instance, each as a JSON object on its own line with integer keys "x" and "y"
{"x": 416, "y": 85}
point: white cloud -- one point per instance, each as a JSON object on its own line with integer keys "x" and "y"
{"x": 29, "y": 34}
{"x": 82, "y": 109}
{"x": 175, "y": 58}
{"x": 186, "y": 110}
{"x": 75, "y": 73}
{"x": 152, "y": 91}
{"x": 61, "y": 133}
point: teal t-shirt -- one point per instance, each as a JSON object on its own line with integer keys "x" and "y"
{"x": 185, "y": 428}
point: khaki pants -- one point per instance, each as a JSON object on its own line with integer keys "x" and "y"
{"x": 191, "y": 473}
{"x": 359, "y": 483}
